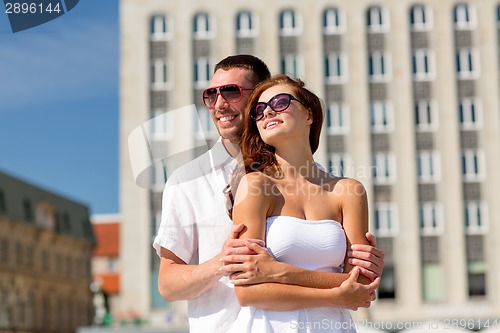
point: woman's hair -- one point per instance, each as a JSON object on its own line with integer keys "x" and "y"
{"x": 255, "y": 153}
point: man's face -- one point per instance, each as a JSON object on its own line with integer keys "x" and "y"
{"x": 228, "y": 116}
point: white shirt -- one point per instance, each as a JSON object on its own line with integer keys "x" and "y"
{"x": 194, "y": 225}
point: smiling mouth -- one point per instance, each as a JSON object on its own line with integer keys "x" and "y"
{"x": 227, "y": 118}
{"x": 272, "y": 123}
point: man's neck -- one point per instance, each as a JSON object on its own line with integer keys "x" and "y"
{"x": 232, "y": 148}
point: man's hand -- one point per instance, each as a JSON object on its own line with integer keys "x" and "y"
{"x": 368, "y": 258}
{"x": 234, "y": 247}
{"x": 355, "y": 295}
{"x": 250, "y": 268}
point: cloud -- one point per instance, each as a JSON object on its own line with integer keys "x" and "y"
{"x": 75, "y": 60}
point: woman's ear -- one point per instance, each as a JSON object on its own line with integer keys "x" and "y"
{"x": 309, "y": 117}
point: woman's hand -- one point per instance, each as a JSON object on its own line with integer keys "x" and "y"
{"x": 354, "y": 295}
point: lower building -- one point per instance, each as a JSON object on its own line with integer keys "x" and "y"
{"x": 46, "y": 243}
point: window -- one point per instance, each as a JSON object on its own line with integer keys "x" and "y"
{"x": 473, "y": 165}
{"x": 475, "y": 217}
{"x": 379, "y": 66}
{"x": 205, "y": 127}
{"x": 467, "y": 64}
{"x": 381, "y": 117}
{"x": 292, "y": 65}
{"x": 28, "y": 210}
{"x": 384, "y": 168}
{"x": 3, "y": 205}
{"x": 470, "y": 113}
{"x": 421, "y": 18}
{"x": 290, "y": 23}
{"x": 428, "y": 166}
{"x": 246, "y": 25}
{"x": 431, "y": 219}
{"x": 464, "y": 17}
{"x": 160, "y": 28}
{"x": 202, "y": 72}
{"x": 159, "y": 176}
{"x": 337, "y": 118}
{"x": 423, "y": 65}
{"x": 203, "y": 27}
{"x": 5, "y": 321}
{"x": 426, "y": 117}
{"x": 159, "y": 74}
{"x": 377, "y": 19}
{"x": 339, "y": 164}
{"x": 386, "y": 224}
{"x": 333, "y": 21}
{"x": 336, "y": 68}
{"x": 161, "y": 125}
{"x": 498, "y": 16}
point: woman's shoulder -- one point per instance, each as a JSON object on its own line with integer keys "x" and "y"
{"x": 256, "y": 180}
{"x": 349, "y": 187}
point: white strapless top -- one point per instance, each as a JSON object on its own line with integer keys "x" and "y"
{"x": 311, "y": 244}
{"x": 318, "y": 245}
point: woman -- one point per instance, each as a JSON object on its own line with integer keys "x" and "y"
{"x": 307, "y": 217}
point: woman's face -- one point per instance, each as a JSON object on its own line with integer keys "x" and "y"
{"x": 292, "y": 123}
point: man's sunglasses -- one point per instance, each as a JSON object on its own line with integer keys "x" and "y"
{"x": 278, "y": 103}
{"x": 232, "y": 93}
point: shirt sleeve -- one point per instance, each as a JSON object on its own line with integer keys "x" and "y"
{"x": 177, "y": 231}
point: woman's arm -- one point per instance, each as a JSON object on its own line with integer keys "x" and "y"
{"x": 354, "y": 209}
{"x": 252, "y": 203}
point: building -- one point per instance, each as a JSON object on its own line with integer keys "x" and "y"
{"x": 46, "y": 243}
{"x": 106, "y": 261}
{"x": 412, "y": 110}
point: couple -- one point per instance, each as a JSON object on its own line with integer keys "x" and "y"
{"x": 296, "y": 208}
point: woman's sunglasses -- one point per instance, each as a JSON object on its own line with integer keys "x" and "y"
{"x": 278, "y": 103}
{"x": 232, "y": 93}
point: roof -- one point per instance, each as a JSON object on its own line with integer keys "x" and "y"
{"x": 107, "y": 239}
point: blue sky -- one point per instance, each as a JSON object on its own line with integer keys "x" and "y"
{"x": 59, "y": 104}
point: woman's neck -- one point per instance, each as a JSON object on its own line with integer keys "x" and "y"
{"x": 296, "y": 161}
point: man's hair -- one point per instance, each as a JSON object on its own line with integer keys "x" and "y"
{"x": 257, "y": 68}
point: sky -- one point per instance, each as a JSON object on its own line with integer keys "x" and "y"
{"x": 59, "y": 104}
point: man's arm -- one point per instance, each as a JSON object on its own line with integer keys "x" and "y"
{"x": 180, "y": 281}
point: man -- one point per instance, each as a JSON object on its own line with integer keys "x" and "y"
{"x": 196, "y": 237}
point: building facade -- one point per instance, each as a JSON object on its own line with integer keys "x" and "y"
{"x": 46, "y": 244}
{"x": 412, "y": 110}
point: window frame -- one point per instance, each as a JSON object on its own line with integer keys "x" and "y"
{"x": 379, "y": 66}
{"x": 336, "y": 63}
{"x": 252, "y": 30}
{"x": 425, "y": 15}
{"x": 426, "y": 115}
{"x": 430, "y": 216}
{"x": 203, "y": 19}
{"x": 469, "y": 108}
{"x": 386, "y": 108}
{"x": 165, "y": 33}
{"x": 290, "y": 23}
{"x": 425, "y": 58}
{"x": 385, "y": 161}
{"x": 481, "y": 225}
{"x": 383, "y": 24}
{"x": 473, "y": 160}
{"x": 391, "y": 228}
{"x": 468, "y": 64}
{"x": 341, "y": 113}
{"x": 430, "y": 171}
{"x": 334, "y": 23}
{"x": 464, "y": 16}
